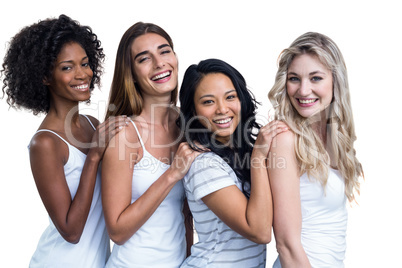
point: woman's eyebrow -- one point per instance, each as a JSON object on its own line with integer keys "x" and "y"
{"x": 147, "y": 51}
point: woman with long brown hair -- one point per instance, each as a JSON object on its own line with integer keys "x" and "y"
{"x": 142, "y": 191}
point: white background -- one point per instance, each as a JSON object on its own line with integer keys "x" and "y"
{"x": 249, "y": 35}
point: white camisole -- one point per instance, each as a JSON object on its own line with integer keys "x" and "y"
{"x": 324, "y": 221}
{"x": 93, "y": 249}
{"x": 160, "y": 242}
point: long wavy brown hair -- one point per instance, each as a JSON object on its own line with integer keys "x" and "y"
{"x": 125, "y": 96}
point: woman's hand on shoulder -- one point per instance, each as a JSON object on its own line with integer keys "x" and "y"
{"x": 105, "y": 132}
{"x": 182, "y": 160}
{"x": 266, "y": 137}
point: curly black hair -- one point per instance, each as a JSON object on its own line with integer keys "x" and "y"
{"x": 32, "y": 54}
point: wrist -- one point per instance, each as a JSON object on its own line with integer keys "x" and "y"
{"x": 257, "y": 154}
{"x": 93, "y": 156}
{"x": 258, "y": 161}
{"x": 171, "y": 176}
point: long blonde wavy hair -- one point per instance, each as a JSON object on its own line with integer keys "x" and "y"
{"x": 310, "y": 151}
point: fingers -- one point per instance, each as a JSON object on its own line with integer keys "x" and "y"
{"x": 194, "y": 153}
{"x": 183, "y": 159}
{"x": 108, "y": 129}
{"x": 185, "y": 150}
{"x": 113, "y": 123}
{"x": 266, "y": 136}
{"x": 275, "y": 125}
{"x": 272, "y": 129}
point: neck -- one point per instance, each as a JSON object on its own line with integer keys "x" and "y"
{"x": 68, "y": 114}
{"x": 157, "y": 113}
{"x": 226, "y": 141}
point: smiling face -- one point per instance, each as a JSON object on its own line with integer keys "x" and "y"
{"x": 154, "y": 65}
{"x": 309, "y": 85}
{"x": 217, "y": 105}
{"x": 71, "y": 75}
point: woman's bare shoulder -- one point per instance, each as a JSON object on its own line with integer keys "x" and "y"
{"x": 45, "y": 144}
{"x": 286, "y": 138}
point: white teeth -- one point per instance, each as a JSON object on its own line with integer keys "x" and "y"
{"x": 306, "y": 101}
{"x": 82, "y": 86}
{"x": 162, "y": 75}
{"x": 223, "y": 121}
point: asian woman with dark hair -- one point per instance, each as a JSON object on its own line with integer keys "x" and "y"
{"x": 227, "y": 187}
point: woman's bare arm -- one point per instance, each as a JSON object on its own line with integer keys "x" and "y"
{"x": 48, "y": 154}
{"x": 122, "y": 218}
{"x": 285, "y": 184}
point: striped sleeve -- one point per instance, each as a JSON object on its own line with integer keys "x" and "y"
{"x": 207, "y": 174}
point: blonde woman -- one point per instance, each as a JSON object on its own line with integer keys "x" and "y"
{"x": 311, "y": 94}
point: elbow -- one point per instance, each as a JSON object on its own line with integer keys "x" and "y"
{"x": 267, "y": 239}
{"x": 72, "y": 238}
{"x": 117, "y": 233}
{"x": 281, "y": 248}
{"x": 263, "y": 237}
{"x": 290, "y": 249}
{"x": 117, "y": 238}
{"x": 73, "y": 241}
{"x": 286, "y": 247}
{"x": 261, "y": 240}
{"x": 118, "y": 241}
{"x": 70, "y": 233}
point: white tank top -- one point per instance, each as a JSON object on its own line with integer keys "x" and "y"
{"x": 160, "y": 242}
{"x": 93, "y": 249}
{"x": 324, "y": 221}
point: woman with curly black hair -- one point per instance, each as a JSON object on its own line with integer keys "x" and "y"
{"x": 50, "y": 67}
{"x": 227, "y": 187}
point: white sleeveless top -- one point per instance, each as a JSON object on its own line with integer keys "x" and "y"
{"x": 160, "y": 242}
{"x": 324, "y": 221}
{"x": 93, "y": 249}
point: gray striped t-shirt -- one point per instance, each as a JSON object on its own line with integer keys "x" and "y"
{"x": 218, "y": 245}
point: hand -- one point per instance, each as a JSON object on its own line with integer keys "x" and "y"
{"x": 265, "y": 137}
{"x": 182, "y": 161}
{"x": 106, "y": 131}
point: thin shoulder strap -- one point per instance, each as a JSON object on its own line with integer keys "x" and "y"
{"x": 47, "y": 130}
{"x": 138, "y": 133}
{"x": 89, "y": 121}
